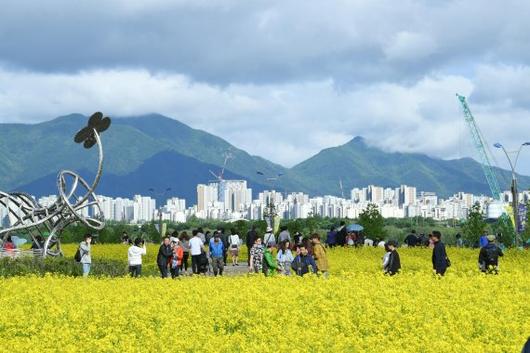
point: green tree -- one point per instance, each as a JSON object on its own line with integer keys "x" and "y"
{"x": 475, "y": 226}
{"x": 504, "y": 227}
{"x": 373, "y": 222}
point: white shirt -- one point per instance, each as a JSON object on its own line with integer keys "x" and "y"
{"x": 234, "y": 240}
{"x": 135, "y": 255}
{"x": 195, "y": 246}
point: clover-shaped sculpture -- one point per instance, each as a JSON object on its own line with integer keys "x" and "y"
{"x": 96, "y": 125}
{"x": 76, "y": 201}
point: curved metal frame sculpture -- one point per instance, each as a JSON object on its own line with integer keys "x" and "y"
{"x": 36, "y": 220}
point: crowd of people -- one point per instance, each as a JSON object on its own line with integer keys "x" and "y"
{"x": 270, "y": 254}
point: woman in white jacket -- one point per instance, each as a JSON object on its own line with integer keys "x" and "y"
{"x": 135, "y": 254}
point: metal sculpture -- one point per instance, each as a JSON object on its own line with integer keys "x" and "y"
{"x": 76, "y": 201}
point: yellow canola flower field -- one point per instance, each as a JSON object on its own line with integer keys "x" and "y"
{"x": 356, "y": 310}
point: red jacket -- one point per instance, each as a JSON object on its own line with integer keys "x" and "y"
{"x": 178, "y": 252}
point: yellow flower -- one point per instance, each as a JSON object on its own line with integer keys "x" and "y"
{"x": 356, "y": 310}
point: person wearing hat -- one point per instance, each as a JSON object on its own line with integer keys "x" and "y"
{"x": 393, "y": 264}
{"x": 488, "y": 259}
{"x": 440, "y": 261}
{"x": 268, "y": 238}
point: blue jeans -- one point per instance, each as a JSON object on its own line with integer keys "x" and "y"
{"x": 86, "y": 269}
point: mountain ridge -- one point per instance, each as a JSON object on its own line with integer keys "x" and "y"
{"x": 30, "y": 152}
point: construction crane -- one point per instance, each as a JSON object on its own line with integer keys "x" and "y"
{"x": 480, "y": 146}
{"x": 228, "y": 155}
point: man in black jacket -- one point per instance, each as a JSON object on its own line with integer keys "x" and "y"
{"x": 440, "y": 262}
{"x": 394, "y": 262}
{"x": 164, "y": 254}
{"x": 251, "y": 239}
{"x": 488, "y": 259}
{"x": 342, "y": 234}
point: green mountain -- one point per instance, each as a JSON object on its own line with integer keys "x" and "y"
{"x": 141, "y": 148}
{"x": 29, "y": 152}
{"x": 359, "y": 164}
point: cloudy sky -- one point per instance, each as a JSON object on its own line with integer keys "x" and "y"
{"x": 281, "y": 79}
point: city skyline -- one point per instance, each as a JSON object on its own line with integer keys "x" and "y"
{"x": 219, "y": 203}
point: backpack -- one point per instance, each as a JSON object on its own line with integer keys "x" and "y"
{"x": 492, "y": 255}
{"x": 77, "y": 256}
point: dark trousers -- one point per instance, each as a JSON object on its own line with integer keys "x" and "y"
{"x": 135, "y": 270}
{"x": 248, "y": 250}
{"x": 225, "y": 254}
{"x": 174, "y": 272}
{"x": 217, "y": 265}
{"x": 163, "y": 270}
{"x": 195, "y": 262}
{"x": 184, "y": 264}
{"x": 441, "y": 271}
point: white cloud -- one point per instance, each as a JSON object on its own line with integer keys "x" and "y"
{"x": 409, "y": 46}
{"x": 286, "y": 123}
{"x": 281, "y": 79}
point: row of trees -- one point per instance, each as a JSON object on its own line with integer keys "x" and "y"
{"x": 375, "y": 227}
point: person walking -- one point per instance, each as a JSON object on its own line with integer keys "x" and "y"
{"x": 164, "y": 256}
{"x": 394, "y": 262}
{"x": 216, "y": 249}
{"x": 342, "y": 234}
{"x": 303, "y": 263}
{"x": 320, "y": 256}
{"x": 196, "y": 249}
{"x": 224, "y": 239}
{"x": 185, "y": 243}
{"x": 331, "y": 237}
{"x": 269, "y": 239}
{"x": 284, "y": 235}
{"x": 134, "y": 256}
{"x": 285, "y": 258}
{"x": 488, "y": 259}
{"x": 256, "y": 256}
{"x": 176, "y": 258}
{"x": 234, "y": 245}
{"x": 86, "y": 254}
{"x": 440, "y": 261}
{"x": 250, "y": 240}
{"x": 207, "y": 237}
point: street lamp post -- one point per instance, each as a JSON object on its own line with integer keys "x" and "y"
{"x": 515, "y": 193}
